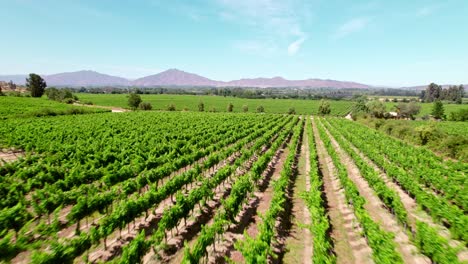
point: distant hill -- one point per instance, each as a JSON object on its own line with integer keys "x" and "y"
{"x": 84, "y": 78}
{"x": 176, "y": 78}
{"x": 18, "y": 78}
{"x": 281, "y": 82}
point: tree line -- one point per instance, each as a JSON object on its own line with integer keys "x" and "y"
{"x": 436, "y": 92}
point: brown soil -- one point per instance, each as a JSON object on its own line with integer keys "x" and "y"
{"x": 10, "y": 155}
{"x": 350, "y": 245}
{"x": 299, "y": 243}
{"x": 112, "y": 108}
{"x": 376, "y": 209}
{"x": 249, "y": 218}
{"x": 414, "y": 212}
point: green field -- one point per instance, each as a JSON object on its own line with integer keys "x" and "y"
{"x": 190, "y": 102}
{"x": 426, "y": 108}
{"x": 13, "y": 107}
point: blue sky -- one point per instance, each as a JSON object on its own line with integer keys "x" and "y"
{"x": 376, "y": 42}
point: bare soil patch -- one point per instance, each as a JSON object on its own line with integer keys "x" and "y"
{"x": 10, "y": 155}
{"x": 414, "y": 212}
{"x": 350, "y": 245}
{"x": 376, "y": 209}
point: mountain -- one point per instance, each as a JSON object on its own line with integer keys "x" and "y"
{"x": 84, "y": 78}
{"x": 281, "y": 82}
{"x": 17, "y": 79}
{"x": 174, "y": 77}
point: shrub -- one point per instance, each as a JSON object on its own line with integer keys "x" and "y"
{"x": 134, "y": 100}
{"x": 230, "y": 107}
{"x": 171, "y": 107}
{"x": 201, "y": 107}
{"x": 260, "y": 109}
{"x": 245, "y": 108}
{"x": 145, "y": 106}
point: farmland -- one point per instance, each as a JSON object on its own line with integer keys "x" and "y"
{"x": 17, "y": 107}
{"x": 220, "y": 103}
{"x": 172, "y": 187}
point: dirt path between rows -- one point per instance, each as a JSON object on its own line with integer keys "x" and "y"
{"x": 376, "y": 209}
{"x": 350, "y": 245}
{"x": 414, "y": 212}
{"x": 299, "y": 243}
{"x": 249, "y": 218}
{"x": 10, "y": 155}
{"x": 112, "y": 108}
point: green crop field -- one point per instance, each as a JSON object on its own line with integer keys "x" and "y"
{"x": 124, "y": 188}
{"x": 14, "y": 107}
{"x": 190, "y": 102}
{"x": 426, "y": 108}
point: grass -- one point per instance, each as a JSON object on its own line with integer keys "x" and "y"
{"x": 426, "y": 108}
{"x": 219, "y": 103}
{"x": 16, "y": 107}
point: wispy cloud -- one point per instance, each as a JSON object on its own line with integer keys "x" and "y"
{"x": 260, "y": 47}
{"x": 279, "y": 20}
{"x": 427, "y": 10}
{"x": 352, "y": 26}
{"x": 294, "y": 47}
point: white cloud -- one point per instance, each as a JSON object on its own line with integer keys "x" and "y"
{"x": 427, "y": 10}
{"x": 256, "y": 47}
{"x": 294, "y": 47}
{"x": 352, "y": 26}
{"x": 278, "y": 20}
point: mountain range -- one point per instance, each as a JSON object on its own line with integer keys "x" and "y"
{"x": 174, "y": 77}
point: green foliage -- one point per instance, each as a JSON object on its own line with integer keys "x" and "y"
{"x": 291, "y": 111}
{"x": 324, "y": 108}
{"x": 134, "y": 100}
{"x": 171, "y": 107}
{"x": 438, "y": 110}
{"x": 376, "y": 108}
{"x": 460, "y": 115}
{"x": 145, "y": 106}
{"x": 426, "y": 134}
{"x": 260, "y": 109}
{"x": 407, "y": 110}
{"x": 201, "y": 107}
{"x": 60, "y": 95}
{"x": 230, "y": 107}
{"x": 280, "y": 106}
{"x": 36, "y": 85}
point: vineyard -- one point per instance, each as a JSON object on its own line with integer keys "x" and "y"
{"x": 188, "y": 187}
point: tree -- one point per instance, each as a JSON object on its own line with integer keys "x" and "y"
{"x": 245, "y": 108}
{"x": 12, "y": 85}
{"x": 230, "y": 107}
{"x": 292, "y": 111}
{"x": 134, "y": 100}
{"x": 360, "y": 105}
{"x": 408, "y": 110}
{"x": 260, "y": 109}
{"x": 171, "y": 107}
{"x": 324, "y": 108}
{"x": 438, "y": 110}
{"x": 433, "y": 92}
{"x": 145, "y": 106}
{"x": 36, "y": 85}
{"x": 201, "y": 106}
{"x": 376, "y": 108}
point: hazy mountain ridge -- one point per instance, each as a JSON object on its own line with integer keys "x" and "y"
{"x": 174, "y": 77}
